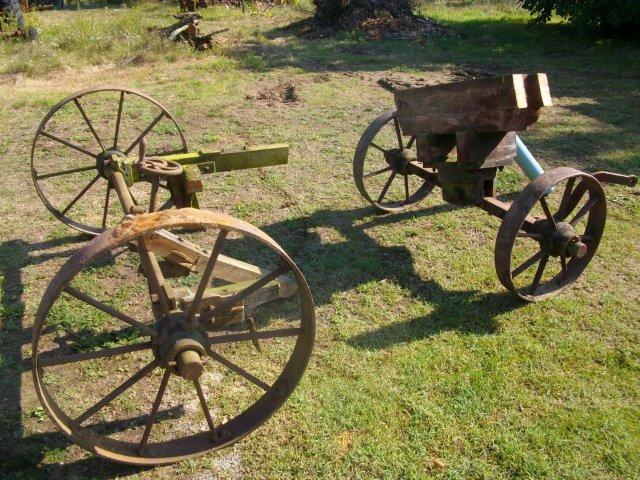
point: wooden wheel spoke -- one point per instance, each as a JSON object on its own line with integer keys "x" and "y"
{"x": 225, "y": 306}
{"x": 206, "y": 277}
{"x": 205, "y": 408}
{"x": 80, "y": 195}
{"x": 538, "y": 275}
{"x": 239, "y": 370}
{"x": 68, "y": 144}
{"x": 116, "y": 392}
{"x": 583, "y": 211}
{"x": 145, "y": 132}
{"x": 378, "y": 172}
{"x": 251, "y": 336}
{"x": 105, "y": 352}
{"x": 154, "y": 409}
{"x": 386, "y": 186}
{"x": 528, "y": 263}
{"x": 108, "y": 310}
{"x": 65, "y": 172}
{"x": 89, "y": 124}
{"x": 396, "y": 124}
{"x": 118, "y": 119}
{"x": 547, "y": 211}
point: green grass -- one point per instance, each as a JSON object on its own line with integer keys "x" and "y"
{"x": 424, "y": 367}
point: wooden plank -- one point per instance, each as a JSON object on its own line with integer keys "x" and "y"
{"x": 508, "y": 103}
{"x": 186, "y": 254}
{"x": 485, "y": 149}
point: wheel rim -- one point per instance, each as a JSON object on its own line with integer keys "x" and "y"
{"x": 136, "y": 445}
{"x": 379, "y": 166}
{"x": 78, "y": 134}
{"x": 554, "y": 225}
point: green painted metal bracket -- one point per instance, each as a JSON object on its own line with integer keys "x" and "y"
{"x": 227, "y": 160}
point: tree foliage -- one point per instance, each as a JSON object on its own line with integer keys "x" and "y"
{"x": 608, "y": 17}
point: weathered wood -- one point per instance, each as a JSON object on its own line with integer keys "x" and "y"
{"x": 192, "y": 179}
{"x": 186, "y": 254}
{"x": 508, "y": 103}
{"x": 485, "y": 149}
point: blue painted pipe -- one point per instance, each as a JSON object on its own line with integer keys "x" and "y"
{"x": 526, "y": 161}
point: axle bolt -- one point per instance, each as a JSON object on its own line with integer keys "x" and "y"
{"x": 578, "y": 249}
{"x": 189, "y": 364}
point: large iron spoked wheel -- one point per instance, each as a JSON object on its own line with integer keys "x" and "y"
{"x": 550, "y": 233}
{"x": 77, "y": 137}
{"x": 380, "y": 166}
{"x": 148, "y": 384}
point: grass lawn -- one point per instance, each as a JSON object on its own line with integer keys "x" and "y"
{"x": 424, "y": 366}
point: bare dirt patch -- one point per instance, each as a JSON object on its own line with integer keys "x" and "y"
{"x": 285, "y": 92}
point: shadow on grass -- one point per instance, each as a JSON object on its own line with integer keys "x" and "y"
{"x": 358, "y": 259}
{"x": 21, "y": 456}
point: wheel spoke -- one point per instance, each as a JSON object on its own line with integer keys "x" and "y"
{"x": 205, "y": 408}
{"x": 566, "y": 196}
{"x": 108, "y": 310}
{"x": 386, "y": 186}
{"x": 239, "y": 370}
{"x": 531, "y": 261}
{"x": 563, "y": 265}
{"x": 410, "y": 144}
{"x": 377, "y": 172}
{"x": 116, "y": 392}
{"x": 242, "y": 337}
{"x": 583, "y": 211}
{"x": 206, "y": 277}
{"x": 80, "y": 195}
{"x": 406, "y": 187}
{"x": 225, "y": 306}
{"x": 573, "y": 200}
{"x": 105, "y": 352}
{"x": 144, "y": 132}
{"x": 154, "y": 275}
{"x": 105, "y": 212}
{"x": 65, "y": 172}
{"x": 535, "y": 236}
{"x": 89, "y": 124}
{"x": 538, "y": 275}
{"x": 68, "y": 144}
{"x": 154, "y": 410}
{"x": 547, "y": 211}
{"x": 398, "y": 132}
{"x": 118, "y": 119}
{"x": 377, "y": 147}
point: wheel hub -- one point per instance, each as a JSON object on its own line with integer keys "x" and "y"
{"x": 179, "y": 347}
{"x": 561, "y": 240}
{"x": 104, "y": 159}
{"x": 398, "y": 159}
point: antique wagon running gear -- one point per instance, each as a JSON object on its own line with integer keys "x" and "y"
{"x": 459, "y": 136}
{"x": 215, "y": 321}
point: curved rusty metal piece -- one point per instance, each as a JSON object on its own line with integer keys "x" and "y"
{"x": 512, "y": 227}
{"x": 132, "y": 228}
{"x": 359, "y": 175}
{"x": 41, "y": 131}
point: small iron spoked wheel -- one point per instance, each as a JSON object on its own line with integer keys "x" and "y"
{"x": 77, "y": 138}
{"x": 178, "y": 381}
{"x": 380, "y": 166}
{"x": 550, "y": 233}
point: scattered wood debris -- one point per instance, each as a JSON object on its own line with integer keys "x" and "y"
{"x": 186, "y": 30}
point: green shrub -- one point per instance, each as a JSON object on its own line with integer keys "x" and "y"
{"x": 607, "y": 17}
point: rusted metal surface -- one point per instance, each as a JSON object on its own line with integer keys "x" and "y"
{"x": 464, "y": 134}
{"x": 178, "y": 344}
{"x": 558, "y": 241}
{"x": 188, "y": 328}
